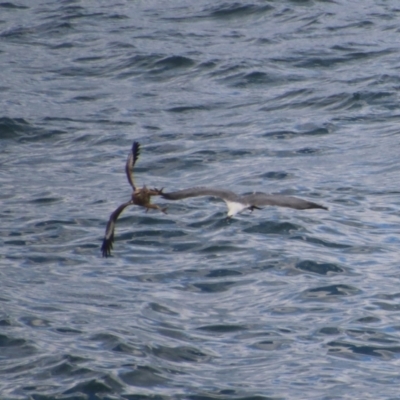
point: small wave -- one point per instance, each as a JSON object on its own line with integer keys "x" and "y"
{"x": 13, "y": 127}
{"x": 10, "y": 6}
{"x": 272, "y": 227}
{"x": 175, "y": 62}
{"x": 327, "y": 292}
{"x": 180, "y": 354}
{"x": 255, "y": 78}
{"x": 319, "y": 268}
{"x": 230, "y": 10}
{"x": 354, "y": 351}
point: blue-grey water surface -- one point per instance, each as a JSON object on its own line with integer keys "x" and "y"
{"x": 296, "y": 97}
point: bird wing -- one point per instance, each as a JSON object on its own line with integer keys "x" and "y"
{"x": 108, "y": 240}
{"x": 201, "y": 191}
{"x": 263, "y": 199}
{"x": 130, "y": 162}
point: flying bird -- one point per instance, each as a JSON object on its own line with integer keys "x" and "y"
{"x": 140, "y": 197}
{"x": 237, "y": 203}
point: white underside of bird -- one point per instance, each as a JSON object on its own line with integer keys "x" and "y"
{"x": 235, "y": 207}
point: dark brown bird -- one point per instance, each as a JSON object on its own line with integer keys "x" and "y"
{"x": 140, "y": 197}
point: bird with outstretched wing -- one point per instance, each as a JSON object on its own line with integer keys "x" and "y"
{"x": 237, "y": 203}
{"x": 140, "y": 197}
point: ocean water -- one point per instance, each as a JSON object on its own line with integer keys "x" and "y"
{"x": 294, "y": 97}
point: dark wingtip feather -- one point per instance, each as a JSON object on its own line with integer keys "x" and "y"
{"x": 315, "y": 205}
{"x": 107, "y": 246}
{"x": 135, "y": 151}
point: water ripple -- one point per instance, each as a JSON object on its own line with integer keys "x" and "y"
{"x": 292, "y": 97}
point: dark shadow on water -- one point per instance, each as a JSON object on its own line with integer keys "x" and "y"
{"x": 354, "y": 351}
{"x": 143, "y": 376}
{"x": 319, "y": 268}
{"x": 223, "y": 328}
{"x": 332, "y": 291}
{"x": 324, "y": 243}
{"x": 272, "y": 227}
{"x": 222, "y": 273}
{"x": 180, "y": 354}
{"x": 215, "y": 287}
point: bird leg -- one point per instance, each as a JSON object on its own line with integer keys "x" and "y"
{"x": 156, "y": 207}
